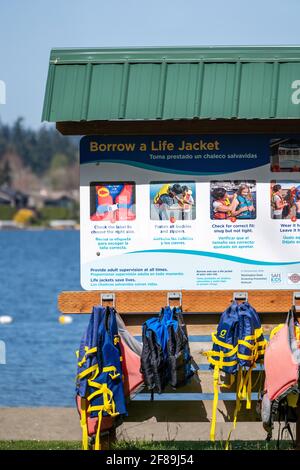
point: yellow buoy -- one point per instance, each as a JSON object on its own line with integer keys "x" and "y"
{"x": 65, "y": 319}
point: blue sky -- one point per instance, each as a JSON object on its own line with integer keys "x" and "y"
{"x": 30, "y": 28}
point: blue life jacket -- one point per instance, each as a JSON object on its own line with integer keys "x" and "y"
{"x": 225, "y": 341}
{"x": 181, "y": 366}
{"x": 244, "y": 202}
{"x": 238, "y": 345}
{"x": 166, "y": 357}
{"x": 154, "y": 354}
{"x": 99, "y": 380}
{"x": 251, "y": 343}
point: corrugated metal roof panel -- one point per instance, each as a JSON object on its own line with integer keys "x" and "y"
{"x": 255, "y": 90}
{"x": 218, "y": 91}
{"x": 105, "y": 91}
{"x": 173, "y": 83}
{"x": 288, "y": 73}
{"x": 67, "y": 92}
{"x": 180, "y": 91}
{"x": 142, "y": 93}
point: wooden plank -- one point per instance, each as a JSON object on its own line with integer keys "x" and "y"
{"x": 189, "y": 411}
{"x": 202, "y": 383}
{"x": 130, "y": 302}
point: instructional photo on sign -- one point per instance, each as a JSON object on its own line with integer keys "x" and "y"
{"x": 285, "y": 155}
{"x": 285, "y": 200}
{"x": 172, "y": 201}
{"x": 112, "y": 201}
{"x": 233, "y": 200}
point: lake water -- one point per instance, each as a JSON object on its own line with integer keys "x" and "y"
{"x": 40, "y": 353}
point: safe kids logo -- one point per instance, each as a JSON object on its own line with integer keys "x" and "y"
{"x": 275, "y": 278}
{"x": 2, "y": 92}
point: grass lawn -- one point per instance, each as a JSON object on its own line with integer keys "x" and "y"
{"x": 142, "y": 445}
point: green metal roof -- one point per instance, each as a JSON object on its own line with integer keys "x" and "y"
{"x": 173, "y": 83}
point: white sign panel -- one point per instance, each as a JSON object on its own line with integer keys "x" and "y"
{"x": 190, "y": 212}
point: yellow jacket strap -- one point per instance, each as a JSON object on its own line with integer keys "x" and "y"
{"x": 221, "y": 343}
{"x": 83, "y": 423}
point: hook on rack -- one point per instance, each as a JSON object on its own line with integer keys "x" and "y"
{"x": 172, "y": 296}
{"x": 240, "y": 297}
{"x": 108, "y": 298}
{"x": 296, "y": 299}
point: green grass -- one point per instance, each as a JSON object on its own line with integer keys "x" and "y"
{"x": 143, "y": 445}
{"x": 7, "y": 212}
{"x": 40, "y": 445}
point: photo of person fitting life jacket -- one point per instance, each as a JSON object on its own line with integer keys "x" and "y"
{"x": 285, "y": 200}
{"x": 233, "y": 199}
{"x": 112, "y": 202}
{"x": 172, "y": 201}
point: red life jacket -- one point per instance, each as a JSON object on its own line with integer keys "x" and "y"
{"x": 223, "y": 215}
{"x": 103, "y": 200}
{"x": 124, "y": 201}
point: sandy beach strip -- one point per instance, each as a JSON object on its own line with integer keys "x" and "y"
{"x": 42, "y": 423}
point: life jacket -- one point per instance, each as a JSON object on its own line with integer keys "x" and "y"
{"x": 131, "y": 350}
{"x": 104, "y": 204}
{"x": 244, "y": 202}
{"x": 124, "y": 202}
{"x": 154, "y": 357}
{"x": 251, "y": 342}
{"x": 178, "y": 351}
{"x": 99, "y": 381}
{"x": 163, "y": 190}
{"x": 273, "y": 203}
{"x": 114, "y": 203}
{"x": 166, "y": 357}
{"x": 238, "y": 345}
{"x": 281, "y": 391}
{"x": 222, "y": 215}
{"x": 187, "y": 203}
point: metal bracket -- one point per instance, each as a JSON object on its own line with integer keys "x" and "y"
{"x": 108, "y": 298}
{"x": 296, "y": 297}
{"x": 240, "y": 296}
{"x": 174, "y": 296}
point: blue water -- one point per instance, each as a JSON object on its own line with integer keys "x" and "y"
{"x": 41, "y": 363}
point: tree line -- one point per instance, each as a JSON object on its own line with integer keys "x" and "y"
{"x": 43, "y": 152}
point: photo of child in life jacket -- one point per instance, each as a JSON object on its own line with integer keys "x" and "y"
{"x": 285, "y": 200}
{"x": 112, "y": 201}
{"x": 285, "y": 155}
{"x": 233, "y": 199}
{"x": 173, "y": 201}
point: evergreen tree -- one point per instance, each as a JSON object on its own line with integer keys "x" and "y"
{"x": 5, "y": 175}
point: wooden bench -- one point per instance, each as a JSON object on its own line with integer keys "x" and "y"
{"x": 185, "y": 414}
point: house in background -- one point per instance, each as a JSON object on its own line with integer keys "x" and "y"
{"x": 63, "y": 201}
{"x": 13, "y": 198}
